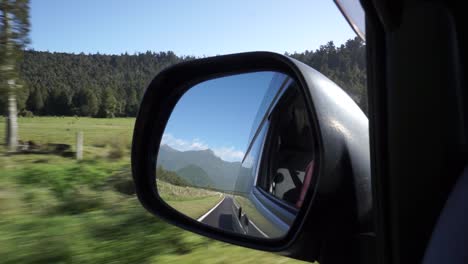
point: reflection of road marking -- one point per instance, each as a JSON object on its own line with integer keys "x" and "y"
{"x": 236, "y": 208}
{"x": 258, "y": 229}
{"x": 211, "y": 210}
{"x": 254, "y": 225}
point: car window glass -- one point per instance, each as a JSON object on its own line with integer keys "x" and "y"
{"x": 290, "y": 149}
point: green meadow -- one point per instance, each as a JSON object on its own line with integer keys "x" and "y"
{"x": 55, "y": 209}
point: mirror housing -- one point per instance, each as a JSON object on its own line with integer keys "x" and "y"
{"x": 336, "y": 215}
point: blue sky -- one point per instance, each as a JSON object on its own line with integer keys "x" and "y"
{"x": 200, "y": 28}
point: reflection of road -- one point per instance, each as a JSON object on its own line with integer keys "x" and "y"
{"x": 219, "y": 216}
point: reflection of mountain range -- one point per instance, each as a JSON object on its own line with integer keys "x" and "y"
{"x": 195, "y": 176}
{"x": 199, "y": 167}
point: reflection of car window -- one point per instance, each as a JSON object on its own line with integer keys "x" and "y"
{"x": 274, "y": 89}
{"x": 248, "y": 167}
{"x": 289, "y": 150}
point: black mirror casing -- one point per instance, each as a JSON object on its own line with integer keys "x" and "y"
{"x": 336, "y": 214}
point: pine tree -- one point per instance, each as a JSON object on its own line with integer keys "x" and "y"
{"x": 14, "y": 29}
{"x": 85, "y": 103}
{"x": 35, "y": 102}
{"x": 92, "y": 103}
{"x": 108, "y": 104}
{"x": 132, "y": 104}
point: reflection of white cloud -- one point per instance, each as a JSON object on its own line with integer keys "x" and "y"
{"x": 229, "y": 154}
{"x": 225, "y": 153}
{"x": 183, "y": 145}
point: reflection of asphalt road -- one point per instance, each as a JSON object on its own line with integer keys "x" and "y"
{"x": 220, "y": 216}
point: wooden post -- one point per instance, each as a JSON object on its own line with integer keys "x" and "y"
{"x": 79, "y": 145}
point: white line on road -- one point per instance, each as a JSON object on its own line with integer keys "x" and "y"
{"x": 211, "y": 210}
{"x": 258, "y": 229}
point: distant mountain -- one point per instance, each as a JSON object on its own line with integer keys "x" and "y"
{"x": 195, "y": 176}
{"x": 222, "y": 174}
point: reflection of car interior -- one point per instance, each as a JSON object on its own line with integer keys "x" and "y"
{"x": 288, "y": 156}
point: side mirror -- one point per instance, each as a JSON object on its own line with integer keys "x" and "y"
{"x": 255, "y": 149}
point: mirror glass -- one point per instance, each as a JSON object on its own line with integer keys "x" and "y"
{"x": 238, "y": 154}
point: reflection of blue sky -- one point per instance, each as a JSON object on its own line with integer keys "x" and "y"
{"x": 218, "y": 114}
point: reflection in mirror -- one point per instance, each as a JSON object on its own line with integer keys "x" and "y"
{"x": 237, "y": 154}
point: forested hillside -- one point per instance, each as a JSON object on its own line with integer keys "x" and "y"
{"x": 345, "y": 65}
{"x": 100, "y": 85}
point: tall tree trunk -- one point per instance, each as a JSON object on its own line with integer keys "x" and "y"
{"x": 12, "y": 119}
{"x": 8, "y": 68}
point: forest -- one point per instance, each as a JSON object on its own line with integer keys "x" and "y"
{"x": 100, "y": 85}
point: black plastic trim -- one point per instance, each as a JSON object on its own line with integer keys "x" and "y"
{"x": 338, "y": 205}
{"x": 159, "y": 100}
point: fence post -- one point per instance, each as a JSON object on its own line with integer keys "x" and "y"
{"x": 79, "y": 145}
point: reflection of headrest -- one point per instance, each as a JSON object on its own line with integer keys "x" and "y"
{"x": 279, "y": 177}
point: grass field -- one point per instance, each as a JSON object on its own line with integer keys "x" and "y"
{"x": 57, "y": 210}
{"x": 97, "y": 131}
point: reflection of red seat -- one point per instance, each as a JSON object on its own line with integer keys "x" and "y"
{"x": 305, "y": 185}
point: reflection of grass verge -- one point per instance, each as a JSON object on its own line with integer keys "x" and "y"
{"x": 191, "y": 201}
{"x": 195, "y": 208}
{"x": 181, "y": 193}
{"x": 257, "y": 218}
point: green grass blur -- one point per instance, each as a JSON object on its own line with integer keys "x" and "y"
{"x": 58, "y": 210}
